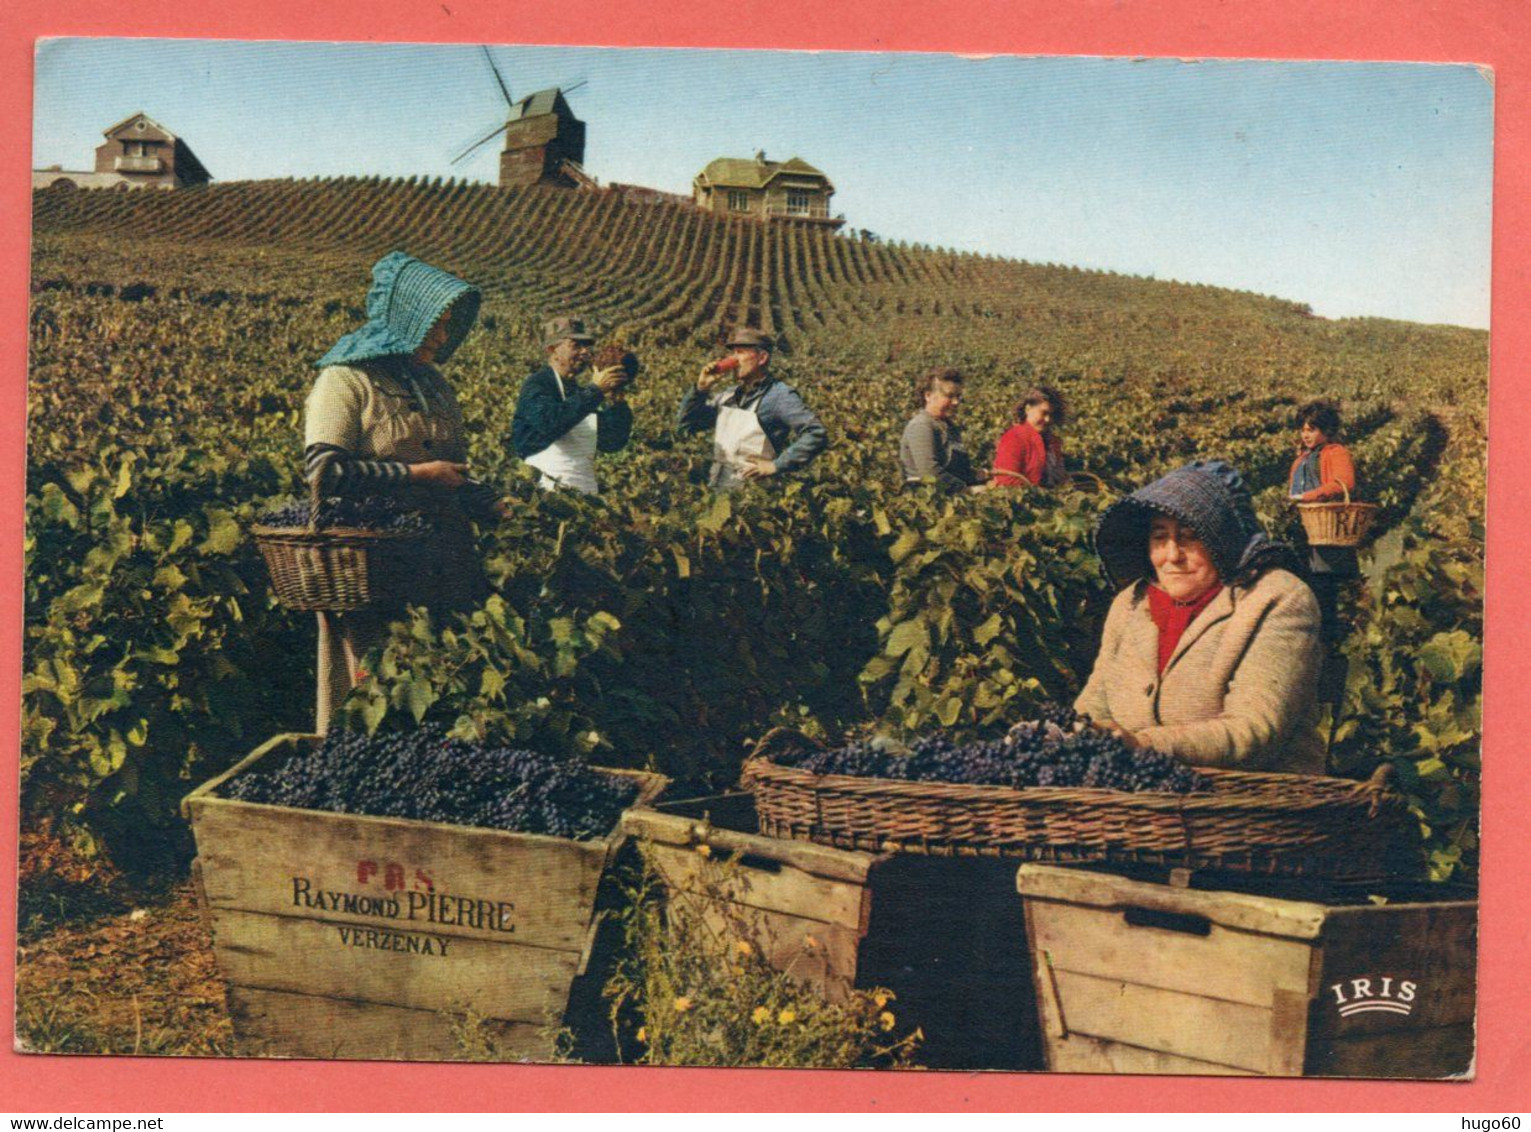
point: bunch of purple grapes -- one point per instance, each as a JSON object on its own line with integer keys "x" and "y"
{"x": 427, "y": 775}
{"x": 1058, "y": 748}
{"x": 365, "y": 512}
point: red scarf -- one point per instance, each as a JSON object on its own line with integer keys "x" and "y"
{"x": 1174, "y": 617}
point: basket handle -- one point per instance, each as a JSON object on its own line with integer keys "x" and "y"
{"x": 786, "y": 740}
{"x": 315, "y": 503}
{"x": 1341, "y": 485}
{"x": 1382, "y": 784}
{"x": 1013, "y": 474}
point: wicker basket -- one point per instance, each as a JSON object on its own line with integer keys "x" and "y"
{"x": 1337, "y": 524}
{"x": 1278, "y": 824}
{"x": 336, "y": 569}
{"x": 1079, "y": 481}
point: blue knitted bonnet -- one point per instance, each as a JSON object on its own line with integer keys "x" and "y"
{"x": 1208, "y": 495}
{"x": 406, "y": 299}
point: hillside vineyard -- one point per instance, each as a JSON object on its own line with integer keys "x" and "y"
{"x": 173, "y": 338}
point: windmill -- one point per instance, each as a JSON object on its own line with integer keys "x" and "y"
{"x": 544, "y": 141}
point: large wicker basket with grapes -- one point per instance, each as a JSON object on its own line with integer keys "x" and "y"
{"x": 1273, "y": 824}
{"x": 321, "y": 564}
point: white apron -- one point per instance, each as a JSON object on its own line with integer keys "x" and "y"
{"x": 570, "y": 460}
{"x": 738, "y": 435}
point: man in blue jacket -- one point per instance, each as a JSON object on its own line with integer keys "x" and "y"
{"x": 560, "y": 425}
{"x": 761, "y": 427}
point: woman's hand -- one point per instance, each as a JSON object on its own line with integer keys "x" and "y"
{"x": 439, "y": 473}
{"x": 1129, "y": 740}
{"x": 758, "y": 467}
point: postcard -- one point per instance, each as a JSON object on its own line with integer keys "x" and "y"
{"x": 652, "y": 557}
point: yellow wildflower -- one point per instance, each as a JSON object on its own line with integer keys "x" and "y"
{"x": 761, "y": 1016}
{"x": 682, "y": 1004}
{"x": 786, "y": 1017}
{"x": 704, "y": 850}
{"x": 886, "y": 1020}
{"x": 643, "y": 1033}
{"x": 882, "y": 998}
{"x": 744, "y": 948}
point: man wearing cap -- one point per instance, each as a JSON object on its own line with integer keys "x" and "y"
{"x": 761, "y": 427}
{"x": 559, "y": 424}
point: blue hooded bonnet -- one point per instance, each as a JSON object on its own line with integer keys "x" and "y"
{"x": 406, "y": 299}
{"x": 1208, "y": 495}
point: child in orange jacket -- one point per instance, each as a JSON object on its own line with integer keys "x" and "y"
{"x": 1323, "y": 472}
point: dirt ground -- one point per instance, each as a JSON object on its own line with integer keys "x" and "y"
{"x": 102, "y": 970}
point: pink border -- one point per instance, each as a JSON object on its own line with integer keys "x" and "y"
{"x": 1491, "y": 32}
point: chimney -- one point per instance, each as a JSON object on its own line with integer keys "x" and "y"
{"x": 760, "y": 157}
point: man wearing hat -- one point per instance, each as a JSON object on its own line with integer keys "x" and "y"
{"x": 560, "y": 425}
{"x": 761, "y": 427}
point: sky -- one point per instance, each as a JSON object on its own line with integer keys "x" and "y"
{"x": 1361, "y": 188}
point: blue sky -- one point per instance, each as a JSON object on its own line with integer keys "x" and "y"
{"x": 1362, "y": 188}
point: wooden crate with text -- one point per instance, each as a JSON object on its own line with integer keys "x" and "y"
{"x": 346, "y": 936}
{"x": 1141, "y": 977}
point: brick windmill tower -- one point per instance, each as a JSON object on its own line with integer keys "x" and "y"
{"x": 544, "y": 141}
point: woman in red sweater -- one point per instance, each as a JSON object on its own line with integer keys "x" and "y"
{"x": 1323, "y": 472}
{"x": 1030, "y": 452}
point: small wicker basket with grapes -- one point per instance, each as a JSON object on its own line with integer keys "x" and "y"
{"x": 339, "y": 555}
{"x": 1058, "y": 789}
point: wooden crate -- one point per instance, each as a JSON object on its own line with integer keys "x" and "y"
{"x": 1141, "y": 977}
{"x": 945, "y": 935}
{"x": 347, "y": 936}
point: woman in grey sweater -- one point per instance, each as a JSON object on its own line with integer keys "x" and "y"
{"x": 932, "y": 446}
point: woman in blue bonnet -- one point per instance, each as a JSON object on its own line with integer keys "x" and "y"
{"x": 1211, "y": 650}
{"x": 381, "y": 420}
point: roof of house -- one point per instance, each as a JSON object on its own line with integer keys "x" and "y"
{"x": 542, "y": 102}
{"x": 131, "y": 118}
{"x": 754, "y": 173}
{"x": 187, "y": 162}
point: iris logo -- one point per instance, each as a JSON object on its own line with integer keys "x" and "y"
{"x": 1391, "y": 996}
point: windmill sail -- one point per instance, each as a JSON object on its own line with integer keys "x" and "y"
{"x": 485, "y": 140}
{"x": 505, "y": 90}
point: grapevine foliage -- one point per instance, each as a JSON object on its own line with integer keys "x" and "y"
{"x": 168, "y": 373}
